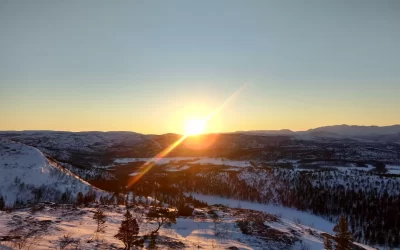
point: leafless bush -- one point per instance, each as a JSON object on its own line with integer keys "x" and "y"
{"x": 23, "y": 238}
{"x": 66, "y": 241}
{"x": 139, "y": 215}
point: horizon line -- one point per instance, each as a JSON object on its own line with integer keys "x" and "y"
{"x": 221, "y": 132}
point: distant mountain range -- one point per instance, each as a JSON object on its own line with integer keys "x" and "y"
{"x": 95, "y": 141}
{"x": 335, "y": 131}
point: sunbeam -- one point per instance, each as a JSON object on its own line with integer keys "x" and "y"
{"x": 193, "y": 130}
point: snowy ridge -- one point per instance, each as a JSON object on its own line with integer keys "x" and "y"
{"x": 192, "y": 232}
{"x": 27, "y": 175}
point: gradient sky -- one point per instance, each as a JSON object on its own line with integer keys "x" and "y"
{"x": 147, "y": 66}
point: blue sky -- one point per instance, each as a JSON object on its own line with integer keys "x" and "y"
{"x": 148, "y": 66}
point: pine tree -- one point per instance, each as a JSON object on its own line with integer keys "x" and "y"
{"x": 128, "y": 231}
{"x": 343, "y": 236}
{"x": 328, "y": 243}
{"x": 2, "y": 203}
{"x": 89, "y": 197}
{"x": 99, "y": 217}
{"x": 79, "y": 199}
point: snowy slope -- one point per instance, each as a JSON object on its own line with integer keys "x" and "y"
{"x": 307, "y": 227}
{"x": 286, "y": 213}
{"x": 26, "y": 175}
{"x": 193, "y": 232}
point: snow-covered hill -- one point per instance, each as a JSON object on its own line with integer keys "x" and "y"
{"x": 236, "y": 228}
{"x": 63, "y": 143}
{"x": 383, "y": 134}
{"x": 353, "y": 130}
{"x": 27, "y": 175}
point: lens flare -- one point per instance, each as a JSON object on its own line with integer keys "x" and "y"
{"x": 193, "y": 127}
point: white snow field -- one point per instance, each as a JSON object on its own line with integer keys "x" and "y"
{"x": 187, "y": 160}
{"x": 282, "y": 212}
{"x": 176, "y": 168}
{"x": 27, "y": 175}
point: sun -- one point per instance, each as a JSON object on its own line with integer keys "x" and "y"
{"x": 195, "y": 127}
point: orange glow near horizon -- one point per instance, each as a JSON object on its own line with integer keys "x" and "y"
{"x": 193, "y": 127}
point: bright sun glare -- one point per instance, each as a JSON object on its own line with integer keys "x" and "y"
{"x": 195, "y": 127}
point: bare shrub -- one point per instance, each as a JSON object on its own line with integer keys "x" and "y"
{"x": 67, "y": 240}
{"x": 22, "y": 238}
{"x": 27, "y": 232}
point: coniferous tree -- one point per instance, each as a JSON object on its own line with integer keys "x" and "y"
{"x": 128, "y": 231}
{"x": 79, "y": 199}
{"x": 99, "y": 217}
{"x": 2, "y": 203}
{"x": 343, "y": 236}
{"x": 89, "y": 197}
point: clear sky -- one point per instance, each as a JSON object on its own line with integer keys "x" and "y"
{"x": 147, "y": 66}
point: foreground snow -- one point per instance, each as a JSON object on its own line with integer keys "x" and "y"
{"x": 78, "y": 224}
{"x": 187, "y": 233}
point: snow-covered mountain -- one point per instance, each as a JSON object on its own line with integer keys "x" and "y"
{"x": 27, "y": 175}
{"x": 369, "y": 133}
{"x": 354, "y": 130}
{"x": 82, "y": 141}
